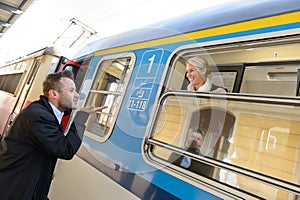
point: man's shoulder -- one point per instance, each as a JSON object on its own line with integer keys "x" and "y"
{"x": 38, "y": 107}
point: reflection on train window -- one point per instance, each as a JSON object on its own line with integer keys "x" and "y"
{"x": 73, "y": 69}
{"x": 107, "y": 89}
{"x": 79, "y": 73}
{"x": 257, "y": 138}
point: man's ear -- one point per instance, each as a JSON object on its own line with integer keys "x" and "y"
{"x": 53, "y": 94}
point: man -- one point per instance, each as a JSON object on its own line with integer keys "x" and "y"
{"x": 193, "y": 144}
{"x": 35, "y": 141}
{"x": 198, "y": 72}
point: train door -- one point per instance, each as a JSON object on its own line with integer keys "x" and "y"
{"x": 28, "y": 85}
{"x": 21, "y": 103}
{"x": 12, "y": 81}
{"x": 79, "y": 70}
{"x": 298, "y": 83}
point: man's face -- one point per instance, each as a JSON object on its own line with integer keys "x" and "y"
{"x": 198, "y": 138}
{"x": 195, "y": 139}
{"x": 68, "y": 97}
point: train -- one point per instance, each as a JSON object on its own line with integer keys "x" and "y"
{"x": 251, "y": 133}
{"x": 21, "y": 78}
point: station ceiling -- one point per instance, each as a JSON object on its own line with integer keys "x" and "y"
{"x": 10, "y": 11}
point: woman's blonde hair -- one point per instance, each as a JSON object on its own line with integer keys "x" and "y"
{"x": 200, "y": 63}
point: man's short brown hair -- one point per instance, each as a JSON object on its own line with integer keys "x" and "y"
{"x": 52, "y": 80}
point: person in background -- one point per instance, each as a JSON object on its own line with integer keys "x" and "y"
{"x": 29, "y": 152}
{"x": 193, "y": 144}
{"x": 198, "y": 72}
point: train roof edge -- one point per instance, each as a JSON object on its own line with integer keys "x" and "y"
{"x": 224, "y": 14}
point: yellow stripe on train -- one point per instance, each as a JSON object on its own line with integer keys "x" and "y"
{"x": 227, "y": 29}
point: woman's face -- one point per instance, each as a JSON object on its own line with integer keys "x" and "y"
{"x": 195, "y": 75}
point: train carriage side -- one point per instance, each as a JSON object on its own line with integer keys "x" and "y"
{"x": 17, "y": 77}
{"x": 20, "y": 81}
{"x": 251, "y": 142}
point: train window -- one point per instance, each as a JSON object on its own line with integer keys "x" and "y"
{"x": 54, "y": 61}
{"x": 107, "y": 89}
{"x": 275, "y": 79}
{"x": 9, "y": 82}
{"x": 250, "y": 143}
{"x": 224, "y": 77}
{"x": 81, "y": 72}
{"x": 10, "y": 76}
{"x": 266, "y": 66}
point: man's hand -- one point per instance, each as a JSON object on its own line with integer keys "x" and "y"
{"x": 92, "y": 109}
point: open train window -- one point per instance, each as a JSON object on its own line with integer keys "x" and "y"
{"x": 254, "y": 67}
{"x": 107, "y": 89}
{"x": 228, "y": 77}
{"x": 243, "y": 143}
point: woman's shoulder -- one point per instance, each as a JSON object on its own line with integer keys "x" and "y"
{"x": 215, "y": 87}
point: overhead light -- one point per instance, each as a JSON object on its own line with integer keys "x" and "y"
{"x": 5, "y": 24}
{"x": 17, "y": 11}
{"x": 283, "y": 76}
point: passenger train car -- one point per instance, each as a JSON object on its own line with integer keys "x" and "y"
{"x": 21, "y": 81}
{"x": 251, "y": 133}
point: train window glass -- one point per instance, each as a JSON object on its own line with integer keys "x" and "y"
{"x": 53, "y": 63}
{"x": 107, "y": 89}
{"x": 81, "y": 72}
{"x": 73, "y": 69}
{"x": 10, "y": 76}
{"x": 258, "y": 137}
{"x": 32, "y": 74}
{"x": 276, "y": 79}
{"x": 9, "y": 82}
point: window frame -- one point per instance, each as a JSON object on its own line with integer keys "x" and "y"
{"x": 266, "y": 179}
{"x": 117, "y": 107}
{"x": 190, "y": 176}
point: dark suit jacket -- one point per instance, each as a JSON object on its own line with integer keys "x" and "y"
{"x": 29, "y": 152}
{"x": 195, "y": 166}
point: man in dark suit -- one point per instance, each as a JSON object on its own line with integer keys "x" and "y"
{"x": 194, "y": 142}
{"x": 35, "y": 141}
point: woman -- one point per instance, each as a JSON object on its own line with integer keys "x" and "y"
{"x": 197, "y": 72}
